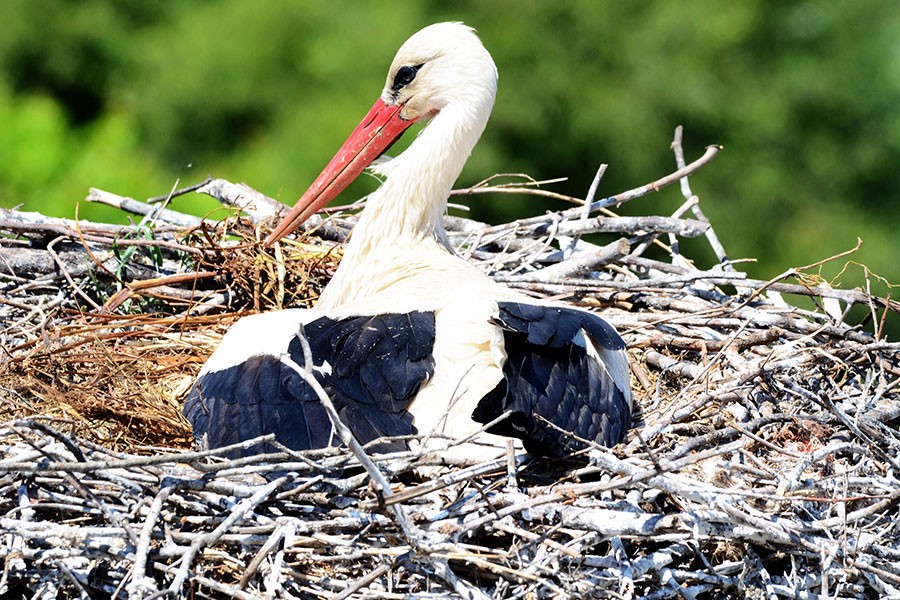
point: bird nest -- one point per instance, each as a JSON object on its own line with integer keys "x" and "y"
{"x": 765, "y": 461}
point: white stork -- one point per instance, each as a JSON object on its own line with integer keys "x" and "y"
{"x": 408, "y": 337}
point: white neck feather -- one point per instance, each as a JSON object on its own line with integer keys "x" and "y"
{"x": 408, "y": 209}
{"x": 411, "y": 204}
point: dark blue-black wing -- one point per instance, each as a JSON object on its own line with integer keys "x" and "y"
{"x": 370, "y": 366}
{"x": 551, "y": 375}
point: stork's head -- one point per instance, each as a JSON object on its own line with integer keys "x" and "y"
{"x": 443, "y": 67}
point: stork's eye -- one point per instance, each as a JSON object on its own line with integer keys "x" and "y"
{"x": 404, "y": 76}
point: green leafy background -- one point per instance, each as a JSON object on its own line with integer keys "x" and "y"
{"x": 134, "y": 96}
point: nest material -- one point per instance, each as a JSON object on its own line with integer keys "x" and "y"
{"x": 765, "y": 462}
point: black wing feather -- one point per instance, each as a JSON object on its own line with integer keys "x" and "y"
{"x": 370, "y": 366}
{"x": 556, "y": 326}
{"x": 549, "y": 376}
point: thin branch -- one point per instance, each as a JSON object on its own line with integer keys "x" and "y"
{"x": 137, "y": 207}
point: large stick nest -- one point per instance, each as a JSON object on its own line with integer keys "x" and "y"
{"x": 765, "y": 461}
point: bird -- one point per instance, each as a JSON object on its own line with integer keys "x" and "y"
{"x": 408, "y": 339}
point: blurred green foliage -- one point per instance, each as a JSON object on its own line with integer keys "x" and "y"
{"x": 132, "y": 96}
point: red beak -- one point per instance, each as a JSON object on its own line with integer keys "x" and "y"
{"x": 381, "y": 128}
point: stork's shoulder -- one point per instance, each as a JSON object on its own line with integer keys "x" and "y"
{"x": 555, "y": 325}
{"x": 266, "y": 333}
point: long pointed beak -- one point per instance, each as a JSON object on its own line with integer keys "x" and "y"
{"x": 381, "y": 128}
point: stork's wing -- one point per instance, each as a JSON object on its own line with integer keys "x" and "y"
{"x": 566, "y": 367}
{"x": 370, "y": 366}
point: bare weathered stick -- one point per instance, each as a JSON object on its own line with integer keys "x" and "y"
{"x": 632, "y": 225}
{"x": 254, "y": 204}
{"x": 711, "y": 236}
{"x": 175, "y": 192}
{"x": 736, "y": 278}
{"x": 237, "y": 513}
{"x": 618, "y": 199}
{"x": 20, "y": 221}
{"x": 578, "y": 266}
{"x": 137, "y": 207}
{"x": 134, "y": 289}
{"x": 141, "y": 585}
{"x": 7, "y": 466}
{"x": 34, "y": 262}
